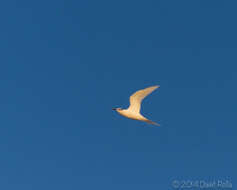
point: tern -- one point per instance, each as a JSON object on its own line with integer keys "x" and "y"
{"x": 133, "y": 111}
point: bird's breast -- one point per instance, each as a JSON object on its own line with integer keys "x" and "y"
{"x": 131, "y": 115}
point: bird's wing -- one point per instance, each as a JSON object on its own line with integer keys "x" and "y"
{"x": 137, "y": 97}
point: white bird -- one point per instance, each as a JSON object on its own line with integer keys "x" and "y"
{"x": 133, "y": 111}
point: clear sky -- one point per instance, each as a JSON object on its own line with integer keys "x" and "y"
{"x": 65, "y": 64}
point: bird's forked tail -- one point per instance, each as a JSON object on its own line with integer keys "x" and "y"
{"x": 152, "y": 122}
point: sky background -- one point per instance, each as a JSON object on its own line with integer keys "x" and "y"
{"x": 65, "y": 64}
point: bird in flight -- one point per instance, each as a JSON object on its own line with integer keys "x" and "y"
{"x": 133, "y": 111}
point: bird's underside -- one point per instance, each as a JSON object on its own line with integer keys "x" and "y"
{"x": 136, "y": 116}
{"x": 133, "y": 111}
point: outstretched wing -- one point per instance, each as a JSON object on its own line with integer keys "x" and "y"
{"x": 137, "y": 97}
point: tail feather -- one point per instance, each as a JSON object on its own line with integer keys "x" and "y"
{"x": 152, "y": 122}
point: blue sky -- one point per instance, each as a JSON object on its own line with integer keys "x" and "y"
{"x": 65, "y": 64}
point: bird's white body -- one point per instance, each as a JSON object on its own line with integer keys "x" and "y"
{"x": 127, "y": 113}
{"x": 133, "y": 111}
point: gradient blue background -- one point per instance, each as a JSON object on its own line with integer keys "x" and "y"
{"x": 65, "y": 64}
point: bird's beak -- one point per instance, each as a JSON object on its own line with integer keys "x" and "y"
{"x": 113, "y": 108}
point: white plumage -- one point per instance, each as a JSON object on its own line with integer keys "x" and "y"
{"x": 133, "y": 111}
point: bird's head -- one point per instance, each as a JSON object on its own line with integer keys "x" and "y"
{"x": 117, "y": 109}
